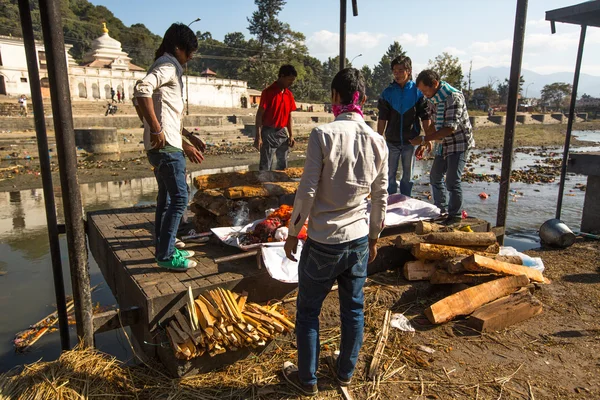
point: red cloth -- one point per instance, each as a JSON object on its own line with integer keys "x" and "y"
{"x": 278, "y": 106}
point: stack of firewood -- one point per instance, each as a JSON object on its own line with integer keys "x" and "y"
{"x": 221, "y": 320}
{"x": 446, "y": 256}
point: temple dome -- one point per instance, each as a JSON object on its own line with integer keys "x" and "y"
{"x": 107, "y": 53}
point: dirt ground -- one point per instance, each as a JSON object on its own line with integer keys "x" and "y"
{"x": 555, "y": 355}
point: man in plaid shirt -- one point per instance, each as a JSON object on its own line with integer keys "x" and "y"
{"x": 454, "y": 132}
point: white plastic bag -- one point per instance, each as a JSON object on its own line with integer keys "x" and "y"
{"x": 531, "y": 262}
{"x": 399, "y": 321}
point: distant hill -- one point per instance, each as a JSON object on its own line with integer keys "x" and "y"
{"x": 587, "y": 83}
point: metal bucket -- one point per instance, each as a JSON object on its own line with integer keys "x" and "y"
{"x": 555, "y": 233}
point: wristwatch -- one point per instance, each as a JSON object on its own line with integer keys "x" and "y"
{"x": 422, "y": 140}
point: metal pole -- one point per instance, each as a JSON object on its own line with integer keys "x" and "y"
{"x": 187, "y": 93}
{"x": 54, "y": 43}
{"x": 511, "y": 111}
{"x": 563, "y": 169}
{"x": 342, "y": 34}
{"x": 42, "y": 142}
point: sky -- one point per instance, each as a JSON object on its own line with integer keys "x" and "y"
{"x": 480, "y": 31}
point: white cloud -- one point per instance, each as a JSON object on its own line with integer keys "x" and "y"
{"x": 418, "y": 40}
{"x": 538, "y": 23}
{"x": 498, "y": 46}
{"x": 454, "y": 51}
{"x": 325, "y": 42}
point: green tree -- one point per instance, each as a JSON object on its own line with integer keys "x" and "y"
{"x": 368, "y": 75}
{"x": 449, "y": 69}
{"x": 486, "y": 96}
{"x": 265, "y": 25}
{"x": 382, "y": 73}
{"x": 503, "y": 89}
{"x": 556, "y": 94}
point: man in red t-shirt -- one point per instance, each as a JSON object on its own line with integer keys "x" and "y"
{"x": 274, "y": 135}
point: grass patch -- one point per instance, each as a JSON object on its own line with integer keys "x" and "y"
{"x": 531, "y": 135}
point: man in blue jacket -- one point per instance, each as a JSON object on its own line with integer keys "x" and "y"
{"x": 401, "y": 105}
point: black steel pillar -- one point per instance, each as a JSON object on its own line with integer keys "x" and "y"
{"x": 343, "y": 6}
{"x": 42, "y": 142}
{"x": 67, "y": 160}
{"x": 563, "y": 169}
{"x": 511, "y": 111}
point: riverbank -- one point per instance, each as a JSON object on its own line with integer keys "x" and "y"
{"x": 21, "y": 173}
{"x": 554, "y": 355}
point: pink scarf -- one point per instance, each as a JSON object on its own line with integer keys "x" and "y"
{"x": 338, "y": 109}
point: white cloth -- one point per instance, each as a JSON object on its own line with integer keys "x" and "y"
{"x": 402, "y": 210}
{"x": 164, "y": 84}
{"x": 346, "y": 161}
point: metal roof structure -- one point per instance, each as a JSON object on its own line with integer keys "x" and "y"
{"x": 587, "y": 13}
{"x": 583, "y": 14}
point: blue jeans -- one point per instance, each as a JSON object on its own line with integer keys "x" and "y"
{"x": 452, "y": 166}
{"x": 407, "y": 153}
{"x": 171, "y": 202}
{"x": 319, "y": 267}
{"x": 274, "y": 144}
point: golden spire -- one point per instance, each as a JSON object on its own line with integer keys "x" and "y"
{"x": 104, "y": 28}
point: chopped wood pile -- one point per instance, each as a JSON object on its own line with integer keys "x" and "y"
{"x": 221, "y": 321}
{"x": 237, "y": 198}
{"x": 499, "y": 297}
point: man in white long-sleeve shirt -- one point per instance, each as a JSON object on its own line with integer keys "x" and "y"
{"x": 346, "y": 161}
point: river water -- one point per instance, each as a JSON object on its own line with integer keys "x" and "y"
{"x": 26, "y": 288}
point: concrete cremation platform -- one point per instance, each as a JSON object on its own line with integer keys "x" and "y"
{"x": 588, "y": 164}
{"x": 121, "y": 243}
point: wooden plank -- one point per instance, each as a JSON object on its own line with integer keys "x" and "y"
{"x": 484, "y": 264}
{"x": 505, "y": 312}
{"x": 441, "y": 277}
{"x": 419, "y": 270}
{"x": 459, "y": 238}
{"x": 116, "y": 319}
{"x": 468, "y": 300}
{"x": 438, "y": 252}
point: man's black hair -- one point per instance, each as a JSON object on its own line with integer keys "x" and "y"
{"x": 347, "y": 82}
{"x": 427, "y": 76}
{"x": 403, "y": 61}
{"x": 287, "y": 70}
{"x": 177, "y": 36}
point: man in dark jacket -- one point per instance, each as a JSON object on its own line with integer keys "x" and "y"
{"x": 401, "y": 105}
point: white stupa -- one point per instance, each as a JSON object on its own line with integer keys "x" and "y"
{"x": 107, "y": 53}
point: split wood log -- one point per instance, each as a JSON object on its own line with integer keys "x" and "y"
{"x": 380, "y": 347}
{"x": 438, "y": 252}
{"x": 405, "y": 240}
{"x": 455, "y": 266}
{"x": 266, "y": 189}
{"x": 424, "y": 227}
{"x": 185, "y": 327}
{"x": 191, "y": 308}
{"x": 177, "y": 334}
{"x": 441, "y": 277}
{"x": 231, "y": 179}
{"x": 461, "y": 239}
{"x": 505, "y": 312}
{"x": 274, "y": 314}
{"x": 419, "y": 270}
{"x": 468, "y": 300}
{"x": 484, "y": 264}
{"x": 205, "y": 318}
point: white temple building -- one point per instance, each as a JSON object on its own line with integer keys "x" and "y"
{"x": 106, "y": 66}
